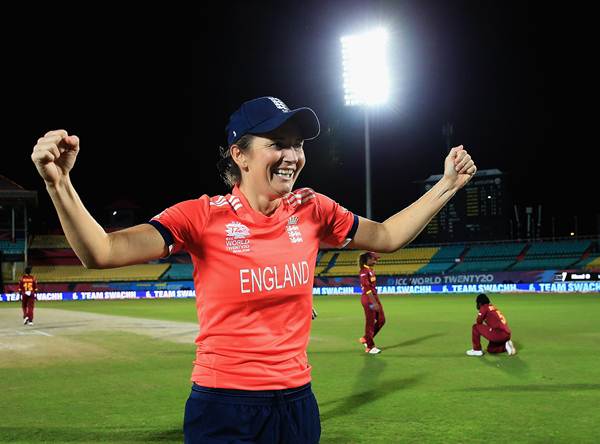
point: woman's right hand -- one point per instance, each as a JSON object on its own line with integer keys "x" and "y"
{"x": 54, "y": 155}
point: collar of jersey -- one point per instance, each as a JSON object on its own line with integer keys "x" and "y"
{"x": 255, "y": 216}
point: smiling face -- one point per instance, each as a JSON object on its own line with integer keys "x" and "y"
{"x": 274, "y": 161}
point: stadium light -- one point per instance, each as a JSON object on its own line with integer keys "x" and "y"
{"x": 366, "y": 82}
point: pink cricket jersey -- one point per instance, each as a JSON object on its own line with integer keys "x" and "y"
{"x": 253, "y": 276}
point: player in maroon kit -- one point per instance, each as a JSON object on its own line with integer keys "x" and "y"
{"x": 492, "y": 325}
{"x": 27, "y": 289}
{"x": 374, "y": 315}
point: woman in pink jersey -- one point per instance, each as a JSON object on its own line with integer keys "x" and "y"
{"x": 254, "y": 252}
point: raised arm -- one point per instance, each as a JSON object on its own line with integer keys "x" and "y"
{"x": 403, "y": 227}
{"x": 54, "y": 156}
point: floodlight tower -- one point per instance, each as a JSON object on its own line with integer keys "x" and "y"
{"x": 366, "y": 83}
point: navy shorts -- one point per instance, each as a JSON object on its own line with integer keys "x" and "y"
{"x": 218, "y": 416}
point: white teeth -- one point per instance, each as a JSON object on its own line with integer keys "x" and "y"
{"x": 285, "y": 173}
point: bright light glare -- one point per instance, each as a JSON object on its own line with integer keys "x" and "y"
{"x": 365, "y": 64}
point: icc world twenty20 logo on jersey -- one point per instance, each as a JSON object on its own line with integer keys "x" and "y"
{"x": 236, "y": 239}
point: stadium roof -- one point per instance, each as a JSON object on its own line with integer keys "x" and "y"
{"x": 11, "y": 193}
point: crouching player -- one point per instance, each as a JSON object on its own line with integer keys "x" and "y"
{"x": 492, "y": 325}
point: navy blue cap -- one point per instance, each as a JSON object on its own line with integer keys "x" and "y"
{"x": 265, "y": 114}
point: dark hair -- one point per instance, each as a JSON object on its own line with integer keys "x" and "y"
{"x": 228, "y": 169}
{"x": 482, "y": 299}
{"x": 362, "y": 259}
{"x": 27, "y": 270}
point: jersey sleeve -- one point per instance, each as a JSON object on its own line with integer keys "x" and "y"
{"x": 338, "y": 224}
{"x": 183, "y": 223}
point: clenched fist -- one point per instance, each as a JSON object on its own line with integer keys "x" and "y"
{"x": 459, "y": 167}
{"x": 54, "y": 155}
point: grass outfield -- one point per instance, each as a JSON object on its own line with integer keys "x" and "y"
{"x": 422, "y": 388}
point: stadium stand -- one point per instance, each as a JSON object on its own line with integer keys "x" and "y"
{"x": 443, "y": 260}
{"x": 9, "y": 248}
{"x": 493, "y": 252}
{"x": 496, "y": 257}
{"x": 346, "y": 264}
{"x": 179, "y": 272}
{"x": 406, "y": 260}
{"x": 448, "y": 254}
{"x": 482, "y": 265}
{"x": 403, "y": 261}
{"x": 543, "y": 264}
{"x": 436, "y": 268}
{"x": 561, "y": 248}
{"x": 507, "y": 256}
{"x": 324, "y": 260}
{"x": 55, "y": 262}
{"x": 51, "y": 249}
{"x": 50, "y": 241}
{"x": 552, "y": 255}
{"x": 591, "y": 262}
{"x": 78, "y": 273}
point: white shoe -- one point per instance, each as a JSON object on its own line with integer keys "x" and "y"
{"x": 373, "y": 351}
{"x": 475, "y": 352}
{"x": 25, "y": 320}
{"x": 510, "y": 348}
{"x": 30, "y": 323}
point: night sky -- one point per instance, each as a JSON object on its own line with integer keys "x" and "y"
{"x": 150, "y": 108}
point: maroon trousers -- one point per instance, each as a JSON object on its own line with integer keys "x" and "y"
{"x": 496, "y": 337}
{"x": 374, "y": 320}
{"x": 27, "y": 303}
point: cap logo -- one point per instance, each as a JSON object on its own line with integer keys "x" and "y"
{"x": 279, "y": 104}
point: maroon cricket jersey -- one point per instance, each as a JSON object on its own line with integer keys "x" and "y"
{"x": 493, "y": 318}
{"x": 367, "y": 280}
{"x": 27, "y": 285}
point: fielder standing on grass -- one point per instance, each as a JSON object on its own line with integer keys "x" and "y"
{"x": 374, "y": 315}
{"x": 28, "y": 287}
{"x": 254, "y": 253}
